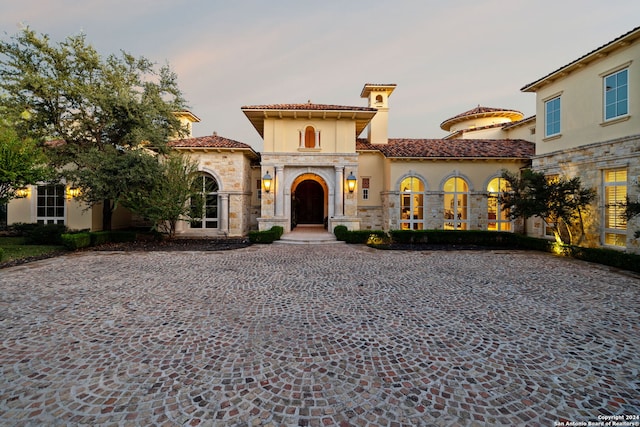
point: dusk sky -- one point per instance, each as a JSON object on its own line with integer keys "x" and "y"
{"x": 446, "y": 57}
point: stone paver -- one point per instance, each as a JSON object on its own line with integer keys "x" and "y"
{"x": 333, "y": 335}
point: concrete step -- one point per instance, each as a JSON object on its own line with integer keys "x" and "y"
{"x": 308, "y": 235}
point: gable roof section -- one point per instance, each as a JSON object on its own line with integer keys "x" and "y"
{"x": 257, "y": 114}
{"x": 452, "y": 148}
{"x": 604, "y": 50}
{"x": 213, "y": 142}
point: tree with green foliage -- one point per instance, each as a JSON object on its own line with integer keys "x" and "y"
{"x": 22, "y": 163}
{"x": 111, "y": 174}
{"x": 68, "y": 93}
{"x": 171, "y": 197}
{"x": 631, "y": 210}
{"x": 561, "y": 203}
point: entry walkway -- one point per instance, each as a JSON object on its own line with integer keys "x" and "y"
{"x": 309, "y": 234}
{"x": 321, "y": 335}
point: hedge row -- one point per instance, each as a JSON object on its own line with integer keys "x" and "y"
{"x": 483, "y": 238}
{"x": 95, "y": 238}
{"x": 453, "y": 237}
{"x": 40, "y": 234}
{"x": 266, "y": 236}
{"x": 1, "y": 254}
{"x": 359, "y": 236}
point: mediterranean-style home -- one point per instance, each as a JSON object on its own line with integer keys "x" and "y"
{"x": 332, "y": 165}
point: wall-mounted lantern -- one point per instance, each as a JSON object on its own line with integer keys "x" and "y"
{"x": 351, "y": 182}
{"x": 23, "y": 192}
{"x": 73, "y": 192}
{"x": 266, "y": 182}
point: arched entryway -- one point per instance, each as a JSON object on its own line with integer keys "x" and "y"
{"x": 308, "y": 202}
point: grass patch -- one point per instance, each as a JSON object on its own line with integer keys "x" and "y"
{"x": 15, "y": 248}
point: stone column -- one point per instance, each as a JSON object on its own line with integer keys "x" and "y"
{"x": 224, "y": 213}
{"x": 279, "y": 191}
{"x": 317, "y": 138}
{"x": 338, "y": 203}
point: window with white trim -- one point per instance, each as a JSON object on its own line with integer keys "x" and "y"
{"x": 615, "y": 197}
{"x": 411, "y": 204}
{"x": 552, "y": 117}
{"x": 365, "y": 188}
{"x": 616, "y": 94}
{"x": 456, "y": 204}
{"x": 50, "y": 204}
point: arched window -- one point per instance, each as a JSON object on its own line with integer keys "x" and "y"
{"x": 456, "y": 204}
{"x": 498, "y": 219}
{"x": 411, "y": 204}
{"x": 204, "y": 202}
{"x": 309, "y": 137}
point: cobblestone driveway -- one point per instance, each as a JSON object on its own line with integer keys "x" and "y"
{"x": 317, "y": 335}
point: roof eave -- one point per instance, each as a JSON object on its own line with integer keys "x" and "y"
{"x": 257, "y": 116}
{"x": 249, "y": 150}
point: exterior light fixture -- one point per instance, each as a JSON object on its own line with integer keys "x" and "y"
{"x": 351, "y": 182}
{"x": 266, "y": 182}
{"x": 23, "y": 192}
{"x": 73, "y": 192}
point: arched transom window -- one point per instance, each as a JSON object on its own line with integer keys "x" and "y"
{"x": 456, "y": 204}
{"x": 498, "y": 218}
{"x": 204, "y": 202}
{"x": 411, "y": 204}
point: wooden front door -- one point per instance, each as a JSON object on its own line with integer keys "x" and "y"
{"x": 309, "y": 203}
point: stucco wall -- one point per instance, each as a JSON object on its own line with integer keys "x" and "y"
{"x": 582, "y": 106}
{"x": 283, "y": 135}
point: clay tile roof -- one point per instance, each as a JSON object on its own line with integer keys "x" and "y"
{"x": 452, "y": 148}
{"x": 480, "y": 111}
{"x": 211, "y": 141}
{"x": 307, "y": 107}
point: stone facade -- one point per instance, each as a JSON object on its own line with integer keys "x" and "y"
{"x": 588, "y": 162}
{"x": 232, "y": 172}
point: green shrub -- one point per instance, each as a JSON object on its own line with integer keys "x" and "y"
{"x": 22, "y": 228}
{"x": 100, "y": 237}
{"x": 278, "y": 230}
{"x": 453, "y": 237}
{"x": 266, "y": 236}
{"x": 363, "y": 236}
{"x": 605, "y": 256}
{"x": 1, "y": 254}
{"x": 45, "y": 234}
{"x": 407, "y": 236}
{"x": 76, "y": 241}
{"x": 340, "y": 231}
